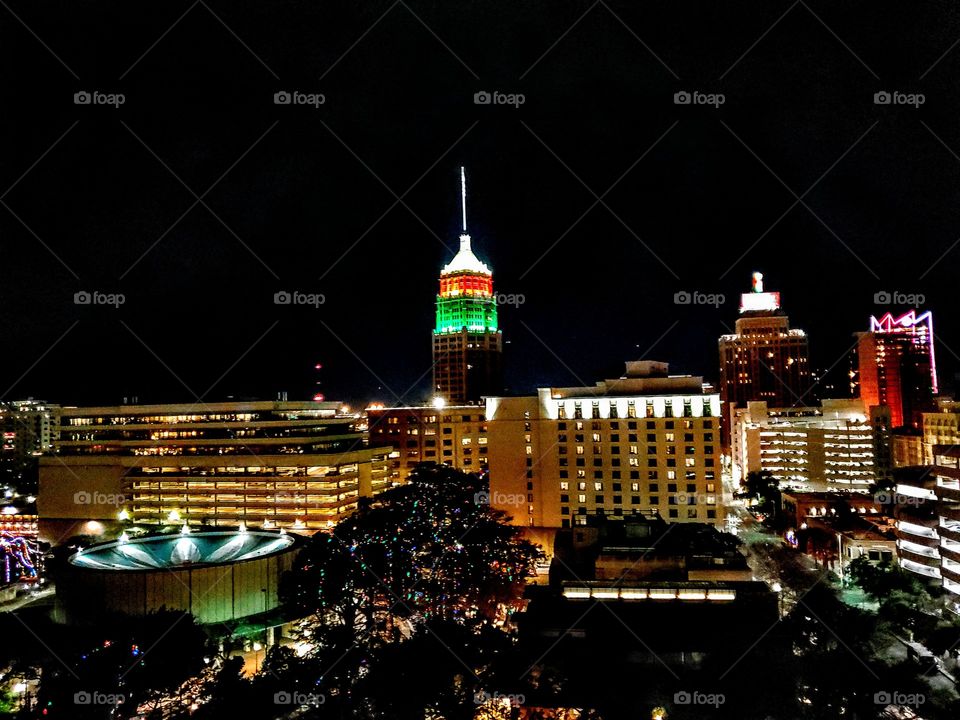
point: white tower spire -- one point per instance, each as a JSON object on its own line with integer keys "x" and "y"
{"x": 463, "y": 197}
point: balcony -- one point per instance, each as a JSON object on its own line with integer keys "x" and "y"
{"x": 951, "y": 553}
{"x": 949, "y": 530}
{"x": 920, "y": 569}
{"x": 948, "y": 492}
{"x": 918, "y": 555}
{"x": 951, "y": 573}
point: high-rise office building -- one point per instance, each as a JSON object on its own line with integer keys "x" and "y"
{"x": 897, "y": 366}
{"x": 764, "y": 359}
{"x": 644, "y": 443}
{"x": 467, "y": 345}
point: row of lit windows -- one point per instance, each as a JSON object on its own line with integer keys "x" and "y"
{"x": 635, "y": 500}
{"x": 655, "y": 424}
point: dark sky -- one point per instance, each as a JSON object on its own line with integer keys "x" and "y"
{"x": 306, "y": 199}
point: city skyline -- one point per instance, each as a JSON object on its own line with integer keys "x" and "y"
{"x": 701, "y": 195}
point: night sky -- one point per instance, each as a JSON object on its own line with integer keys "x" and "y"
{"x": 98, "y": 198}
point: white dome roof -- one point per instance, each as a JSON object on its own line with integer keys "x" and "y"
{"x": 465, "y": 260}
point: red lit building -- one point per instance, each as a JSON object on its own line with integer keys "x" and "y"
{"x": 897, "y": 368}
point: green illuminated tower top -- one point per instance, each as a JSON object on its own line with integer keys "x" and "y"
{"x": 466, "y": 287}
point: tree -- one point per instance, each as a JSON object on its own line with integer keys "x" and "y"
{"x": 408, "y": 598}
{"x": 762, "y": 486}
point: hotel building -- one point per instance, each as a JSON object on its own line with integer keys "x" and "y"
{"x": 764, "y": 359}
{"x": 645, "y": 443}
{"x": 452, "y": 435}
{"x": 830, "y": 446}
{"x": 297, "y": 465}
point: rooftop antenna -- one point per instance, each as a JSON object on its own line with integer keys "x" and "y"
{"x": 463, "y": 198}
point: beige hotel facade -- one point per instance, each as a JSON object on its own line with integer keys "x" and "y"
{"x": 644, "y": 443}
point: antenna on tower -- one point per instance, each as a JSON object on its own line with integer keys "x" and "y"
{"x": 463, "y": 197}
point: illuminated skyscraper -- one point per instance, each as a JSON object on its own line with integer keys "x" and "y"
{"x": 467, "y": 346}
{"x": 897, "y": 367}
{"x": 764, "y": 359}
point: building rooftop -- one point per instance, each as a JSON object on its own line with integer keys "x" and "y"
{"x": 465, "y": 260}
{"x": 161, "y": 552}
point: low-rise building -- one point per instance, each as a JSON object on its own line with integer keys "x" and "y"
{"x": 297, "y": 465}
{"x": 800, "y": 507}
{"x": 452, "y": 435}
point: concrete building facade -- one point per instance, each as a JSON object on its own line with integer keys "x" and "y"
{"x": 809, "y": 448}
{"x": 296, "y": 465}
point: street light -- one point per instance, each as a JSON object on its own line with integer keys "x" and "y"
{"x": 840, "y": 553}
{"x": 439, "y": 403}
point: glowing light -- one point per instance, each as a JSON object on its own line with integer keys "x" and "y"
{"x": 439, "y": 403}
{"x": 185, "y": 530}
{"x": 174, "y": 516}
{"x": 93, "y": 527}
{"x": 124, "y": 538}
{"x": 463, "y": 197}
{"x": 243, "y": 526}
{"x": 318, "y": 397}
{"x": 758, "y": 282}
{"x": 123, "y": 515}
{"x": 918, "y": 327}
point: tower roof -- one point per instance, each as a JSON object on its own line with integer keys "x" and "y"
{"x": 465, "y": 260}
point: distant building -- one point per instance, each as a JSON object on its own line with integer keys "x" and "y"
{"x": 941, "y": 427}
{"x": 645, "y": 442}
{"x": 800, "y": 507}
{"x": 452, "y": 435}
{"x": 764, "y": 359}
{"x": 27, "y": 428}
{"x": 813, "y": 448}
{"x": 897, "y": 366}
{"x": 467, "y": 344}
{"x": 296, "y": 465}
